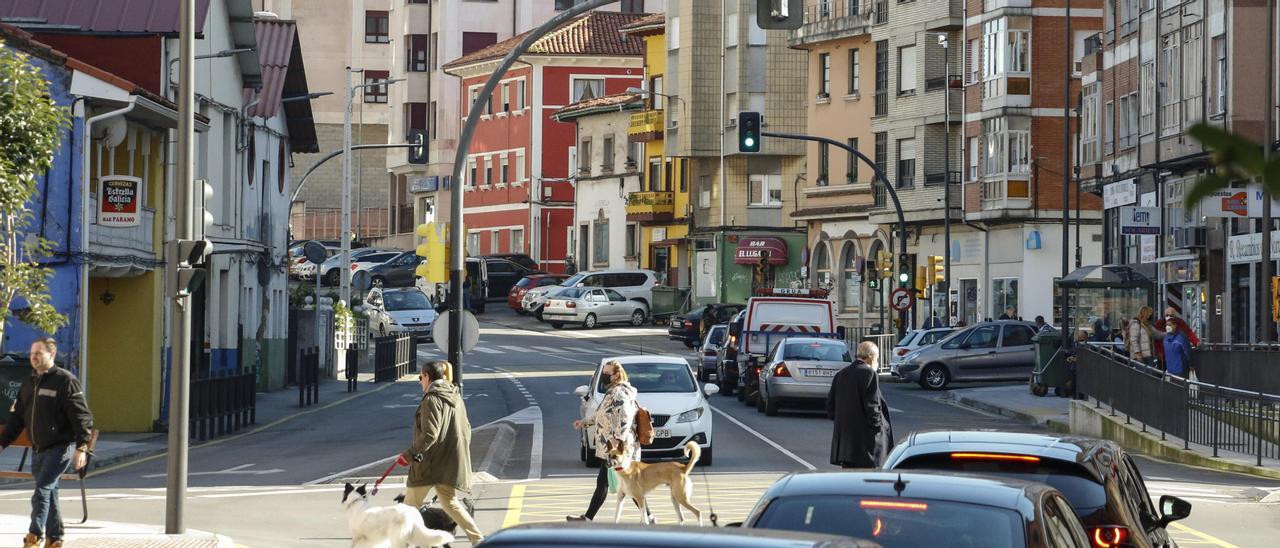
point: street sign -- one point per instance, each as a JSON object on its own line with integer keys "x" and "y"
{"x": 361, "y": 280}
{"x": 901, "y": 299}
{"x": 470, "y": 331}
{"x": 315, "y": 252}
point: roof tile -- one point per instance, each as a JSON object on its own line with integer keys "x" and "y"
{"x": 130, "y": 16}
{"x": 594, "y": 33}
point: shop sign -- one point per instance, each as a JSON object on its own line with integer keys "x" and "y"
{"x": 658, "y": 234}
{"x": 118, "y": 197}
{"x": 1139, "y": 220}
{"x": 424, "y": 184}
{"x": 1247, "y": 248}
{"x": 1120, "y": 193}
{"x": 1182, "y": 270}
{"x": 751, "y": 250}
{"x": 1236, "y": 203}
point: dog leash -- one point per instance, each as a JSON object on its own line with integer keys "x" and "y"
{"x": 710, "y": 505}
{"x": 384, "y": 476}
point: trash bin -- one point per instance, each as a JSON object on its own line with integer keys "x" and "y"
{"x": 666, "y": 301}
{"x": 1051, "y": 369}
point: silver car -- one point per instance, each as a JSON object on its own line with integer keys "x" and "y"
{"x": 999, "y": 350}
{"x": 591, "y": 307}
{"x": 709, "y": 350}
{"x": 800, "y": 368}
{"x": 394, "y": 310}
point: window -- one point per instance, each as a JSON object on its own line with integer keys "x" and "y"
{"x": 417, "y": 49}
{"x": 1219, "y": 105}
{"x": 1192, "y": 73}
{"x": 882, "y": 78}
{"x": 1004, "y": 294}
{"x": 882, "y": 160}
{"x": 473, "y": 243}
{"x": 1002, "y": 51}
{"x": 584, "y": 157}
{"x": 520, "y": 94}
{"x": 1148, "y": 97}
{"x": 852, "y": 287}
{"x": 376, "y": 27}
{"x": 488, "y": 170}
{"x": 822, "y": 267}
{"x": 764, "y": 190}
{"x": 415, "y": 117}
{"x": 505, "y": 175}
{"x": 587, "y": 88}
{"x": 1019, "y": 51}
{"x": 824, "y": 75}
{"x": 1007, "y": 146}
{"x": 1017, "y": 335}
{"x": 906, "y": 69}
{"x": 378, "y": 93}
{"x": 855, "y": 68}
{"x": 506, "y": 97}
{"x": 668, "y": 175}
{"x": 473, "y": 95}
{"x": 986, "y": 336}
{"x": 606, "y": 149}
{"x": 655, "y": 97}
{"x": 1128, "y": 121}
{"x": 493, "y": 241}
{"x": 1089, "y": 124}
{"x": 1019, "y": 146}
{"x": 1108, "y": 128}
{"x": 852, "y": 175}
{"x": 906, "y": 163}
{"x": 519, "y": 165}
{"x": 517, "y": 240}
{"x": 473, "y": 176}
{"x": 673, "y": 32}
{"x": 824, "y": 158}
{"x": 974, "y": 65}
{"x": 475, "y": 41}
{"x": 633, "y": 240}
{"x": 1170, "y": 83}
{"x": 973, "y": 158}
{"x": 655, "y": 174}
{"x": 600, "y": 241}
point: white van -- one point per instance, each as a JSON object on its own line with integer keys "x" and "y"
{"x": 634, "y": 284}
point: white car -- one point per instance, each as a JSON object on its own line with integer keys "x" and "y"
{"x": 667, "y": 387}
{"x": 915, "y": 340}
{"x": 361, "y": 259}
{"x": 305, "y": 270}
{"x": 400, "y": 309}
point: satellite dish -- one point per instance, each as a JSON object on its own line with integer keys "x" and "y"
{"x": 112, "y": 131}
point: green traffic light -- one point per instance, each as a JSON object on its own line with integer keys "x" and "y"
{"x": 904, "y": 278}
{"x": 749, "y": 142}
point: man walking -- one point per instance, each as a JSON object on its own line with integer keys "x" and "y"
{"x": 51, "y": 398}
{"x": 440, "y": 456}
{"x": 862, "y": 435}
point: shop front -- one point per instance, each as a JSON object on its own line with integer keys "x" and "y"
{"x": 729, "y": 266}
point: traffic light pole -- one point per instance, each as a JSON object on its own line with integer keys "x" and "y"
{"x": 884, "y": 180}
{"x": 456, "y": 245}
{"x": 180, "y": 311}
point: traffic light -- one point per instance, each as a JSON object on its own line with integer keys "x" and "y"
{"x": 938, "y": 269}
{"x": 748, "y": 132}
{"x": 872, "y": 274}
{"x": 779, "y": 14}
{"x": 418, "y": 152}
{"x": 904, "y": 271}
{"x": 922, "y": 279}
{"x": 884, "y": 260}
{"x": 434, "y": 252}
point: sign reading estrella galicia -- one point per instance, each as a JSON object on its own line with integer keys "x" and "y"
{"x": 1139, "y": 220}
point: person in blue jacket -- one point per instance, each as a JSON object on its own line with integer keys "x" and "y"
{"x": 1177, "y": 350}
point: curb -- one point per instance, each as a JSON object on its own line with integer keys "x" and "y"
{"x": 498, "y": 450}
{"x": 1053, "y": 424}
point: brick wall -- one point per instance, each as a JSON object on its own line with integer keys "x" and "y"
{"x": 324, "y": 187}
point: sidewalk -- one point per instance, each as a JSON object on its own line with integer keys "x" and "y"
{"x": 1016, "y": 402}
{"x": 105, "y": 534}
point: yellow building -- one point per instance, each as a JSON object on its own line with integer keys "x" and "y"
{"x": 662, "y": 206}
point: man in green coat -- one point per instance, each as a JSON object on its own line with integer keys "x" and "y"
{"x": 440, "y": 457}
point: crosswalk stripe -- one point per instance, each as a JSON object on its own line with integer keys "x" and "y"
{"x": 519, "y": 349}
{"x": 488, "y": 350}
{"x": 579, "y": 350}
{"x": 549, "y": 349}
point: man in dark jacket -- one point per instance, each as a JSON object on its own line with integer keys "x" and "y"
{"x": 862, "y": 436}
{"x": 51, "y": 399}
{"x": 440, "y": 456}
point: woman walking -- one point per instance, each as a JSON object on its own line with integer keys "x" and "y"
{"x": 615, "y": 426}
{"x": 1141, "y": 336}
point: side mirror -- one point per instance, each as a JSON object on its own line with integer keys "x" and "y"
{"x": 1173, "y": 509}
{"x": 580, "y": 284}
{"x": 711, "y": 389}
{"x": 582, "y": 391}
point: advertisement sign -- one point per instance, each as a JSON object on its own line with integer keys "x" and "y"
{"x": 1139, "y": 220}
{"x": 1120, "y": 193}
{"x": 1236, "y": 203}
{"x": 118, "y": 200}
{"x": 1147, "y": 244}
{"x": 1247, "y": 248}
{"x": 424, "y": 184}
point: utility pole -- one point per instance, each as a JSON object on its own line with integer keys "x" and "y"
{"x": 1266, "y": 270}
{"x": 1066, "y": 171}
{"x": 944, "y": 40}
{"x": 180, "y": 312}
{"x": 345, "y": 293}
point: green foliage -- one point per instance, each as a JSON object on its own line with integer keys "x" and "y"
{"x": 1235, "y": 159}
{"x": 30, "y": 130}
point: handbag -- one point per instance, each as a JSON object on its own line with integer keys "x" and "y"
{"x": 613, "y": 481}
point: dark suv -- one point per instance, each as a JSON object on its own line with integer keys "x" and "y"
{"x": 1098, "y": 478}
{"x": 687, "y": 328}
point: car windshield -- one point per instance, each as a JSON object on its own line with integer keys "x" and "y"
{"x": 897, "y": 521}
{"x": 906, "y": 341}
{"x": 573, "y": 293}
{"x": 658, "y": 378}
{"x": 524, "y": 282}
{"x": 377, "y": 257}
{"x": 816, "y": 351}
{"x": 572, "y": 281}
{"x": 406, "y": 300}
{"x": 1085, "y": 495}
{"x": 716, "y": 336}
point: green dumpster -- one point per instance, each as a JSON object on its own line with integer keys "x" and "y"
{"x": 1052, "y": 369}
{"x": 666, "y": 301}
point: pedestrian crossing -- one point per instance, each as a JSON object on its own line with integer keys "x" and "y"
{"x": 597, "y": 350}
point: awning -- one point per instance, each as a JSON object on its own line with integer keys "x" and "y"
{"x": 751, "y": 249}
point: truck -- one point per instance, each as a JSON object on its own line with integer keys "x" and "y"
{"x": 766, "y": 321}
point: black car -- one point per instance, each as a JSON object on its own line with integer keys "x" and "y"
{"x": 660, "y": 536}
{"x": 1099, "y": 479}
{"x": 503, "y": 275}
{"x": 688, "y": 327}
{"x": 519, "y": 258}
{"x": 897, "y": 509}
{"x": 397, "y": 272}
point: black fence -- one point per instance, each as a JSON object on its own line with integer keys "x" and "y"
{"x": 394, "y": 356}
{"x": 1219, "y": 417}
{"x": 308, "y": 377}
{"x": 222, "y": 404}
{"x": 1254, "y": 367}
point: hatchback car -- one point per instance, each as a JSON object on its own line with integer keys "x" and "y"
{"x": 397, "y": 272}
{"x": 592, "y": 307}
{"x": 1099, "y": 479}
{"x": 708, "y": 351}
{"x": 800, "y": 369}
{"x": 687, "y": 328}
{"x": 393, "y": 310}
{"x": 665, "y": 385}
{"x": 999, "y": 350}
{"x": 527, "y": 283}
{"x": 915, "y": 340}
{"x": 331, "y": 270}
{"x": 660, "y": 536}
{"x": 903, "y": 509}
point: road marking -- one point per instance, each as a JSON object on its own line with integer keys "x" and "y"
{"x": 229, "y": 471}
{"x": 549, "y": 349}
{"x": 488, "y": 350}
{"x": 516, "y": 349}
{"x": 514, "y": 506}
{"x": 580, "y": 350}
{"x": 762, "y": 437}
{"x": 1204, "y": 536}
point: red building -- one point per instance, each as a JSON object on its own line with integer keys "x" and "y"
{"x": 519, "y": 189}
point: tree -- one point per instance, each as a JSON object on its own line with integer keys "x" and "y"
{"x": 30, "y": 129}
{"x": 1235, "y": 159}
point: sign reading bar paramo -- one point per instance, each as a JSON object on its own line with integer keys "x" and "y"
{"x": 118, "y": 200}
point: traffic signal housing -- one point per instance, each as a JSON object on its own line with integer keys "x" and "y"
{"x": 904, "y": 271}
{"x": 937, "y": 269}
{"x": 748, "y": 132}
{"x": 418, "y": 152}
{"x": 884, "y": 260}
{"x": 434, "y": 252}
{"x": 779, "y": 14}
{"x": 922, "y": 280}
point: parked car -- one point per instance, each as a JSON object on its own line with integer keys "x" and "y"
{"x": 503, "y": 275}
{"x": 632, "y": 535}
{"x": 708, "y": 351}
{"x": 405, "y": 309}
{"x": 331, "y": 269}
{"x": 998, "y": 350}
{"x": 476, "y": 284}
{"x": 1097, "y": 477}
{"x": 915, "y": 340}
{"x": 591, "y": 307}
{"x": 768, "y": 321}
{"x": 397, "y": 272}
{"x": 916, "y": 509}
{"x": 687, "y": 328}
{"x": 305, "y": 270}
{"x": 800, "y": 369}
{"x": 519, "y": 258}
{"x": 727, "y": 355}
{"x": 665, "y": 385}
{"x": 527, "y": 283}
{"x": 636, "y": 285}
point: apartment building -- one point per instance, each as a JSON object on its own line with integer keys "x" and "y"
{"x": 1155, "y": 70}
{"x": 837, "y": 197}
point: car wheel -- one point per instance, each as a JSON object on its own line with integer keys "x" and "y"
{"x": 637, "y": 318}
{"x": 379, "y": 281}
{"x": 760, "y": 399}
{"x": 771, "y": 407}
{"x": 934, "y": 377}
{"x": 590, "y": 322}
{"x": 332, "y": 278}
{"x": 726, "y": 384}
{"x": 706, "y": 458}
{"x": 742, "y": 392}
{"x": 538, "y": 314}
{"x": 557, "y": 325}
{"x": 751, "y": 396}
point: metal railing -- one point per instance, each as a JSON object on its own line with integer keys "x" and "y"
{"x": 1211, "y": 415}
{"x": 222, "y": 404}
{"x": 308, "y": 377}
{"x": 818, "y": 10}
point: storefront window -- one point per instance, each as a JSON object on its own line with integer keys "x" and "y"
{"x": 822, "y": 267}
{"x": 1004, "y": 295}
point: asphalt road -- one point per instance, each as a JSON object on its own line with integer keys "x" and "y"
{"x": 281, "y": 486}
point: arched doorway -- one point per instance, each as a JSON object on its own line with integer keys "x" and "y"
{"x": 851, "y": 276}
{"x": 822, "y": 278}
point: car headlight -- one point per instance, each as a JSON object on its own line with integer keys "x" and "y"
{"x": 690, "y": 415}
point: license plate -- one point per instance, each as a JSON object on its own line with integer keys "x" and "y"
{"x": 818, "y": 372}
{"x": 661, "y": 432}
{"x": 676, "y": 323}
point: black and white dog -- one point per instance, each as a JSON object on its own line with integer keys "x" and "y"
{"x": 396, "y": 526}
{"x": 436, "y": 518}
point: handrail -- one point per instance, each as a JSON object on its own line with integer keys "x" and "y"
{"x": 1109, "y": 351}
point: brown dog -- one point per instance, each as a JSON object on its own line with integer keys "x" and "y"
{"x": 638, "y": 479}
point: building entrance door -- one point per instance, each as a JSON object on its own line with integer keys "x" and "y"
{"x": 969, "y": 301}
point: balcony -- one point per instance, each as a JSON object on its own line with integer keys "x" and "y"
{"x": 646, "y": 126}
{"x": 656, "y": 206}
{"x": 826, "y": 20}
{"x": 121, "y": 250}
{"x": 1005, "y": 194}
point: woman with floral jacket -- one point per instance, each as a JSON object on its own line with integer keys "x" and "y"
{"x": 615, "y": 426}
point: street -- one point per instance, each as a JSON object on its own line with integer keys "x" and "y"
{"x": 281, "y": 485}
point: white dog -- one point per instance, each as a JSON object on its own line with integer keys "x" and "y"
{"x": 398, "y": 526}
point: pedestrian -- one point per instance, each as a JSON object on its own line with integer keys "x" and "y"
{"x": 1171, "y": 316}
{"x": 1042, "y": 326}
{"x": 440, "y": 456}
{"x": 615, "y": 426}
{"x": 933, "y": 322}
{"x": 1177, "y": 349}
{"x": 1141, "y": 337}
{"x": 1009, "y": 314}
{"x": 51, "y": 397}
{"x": 862, "y": 435}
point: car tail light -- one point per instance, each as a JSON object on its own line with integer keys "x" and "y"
{"x": 688, "y": 324}
{"x": 902, "y": 352}
{"x": 570, "y": 304}
{"x": 894, "y": 505}
{"x": 780, "y": 370}
{"x": 1109, "y": 535}
{"x": 354, "y": 267}
{"x": 995, "y": 457}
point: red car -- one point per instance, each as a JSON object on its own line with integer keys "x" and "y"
{"x": 529, "y": 282}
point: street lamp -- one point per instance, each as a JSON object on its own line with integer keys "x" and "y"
{"x": 645, "y": 92}
{"x": 223, "y": 53}
{"x": 346, "y": 179}
{"x": 306, "y": 97}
